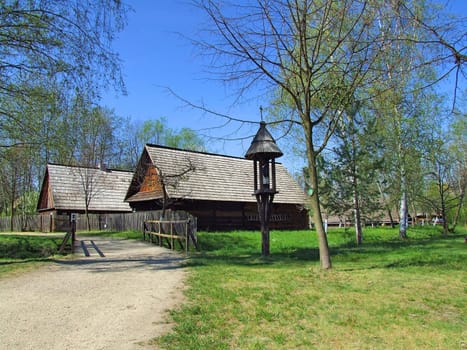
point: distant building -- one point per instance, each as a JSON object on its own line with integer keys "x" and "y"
{"x": 217, "y": 189}
{"x": 65, "y": 189}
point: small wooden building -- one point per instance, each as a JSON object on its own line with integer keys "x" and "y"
{"x": 65, "y": 190}
{"x": 217, "y": 189}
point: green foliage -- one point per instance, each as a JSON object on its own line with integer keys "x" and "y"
{"x": 16, "y": 178}
{"x": 388, "y": 293}
{"x": 158, "y": 132}
{"x": 55, "y": 41}
{"x": 54, "y": 55}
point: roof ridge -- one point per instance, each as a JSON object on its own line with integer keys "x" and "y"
{"x": 191, "y": 151}
{"x": 197, "y": 152}
{"x": 88, "y": 167}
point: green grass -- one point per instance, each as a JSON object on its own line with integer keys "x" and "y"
{"x": 386, "y": 294}
{"x": 23, "y": 252}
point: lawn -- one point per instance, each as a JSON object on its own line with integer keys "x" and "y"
{"x": 386, "y": 294}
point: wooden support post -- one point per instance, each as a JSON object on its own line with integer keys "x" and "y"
{"x": 182, "y": 233}
{"x": 160, "y": 231}
{"x": 171, "y": 236}
{"x": 187, "y": 241}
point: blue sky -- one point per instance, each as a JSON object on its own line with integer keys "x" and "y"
{"x": 155, "y": 56}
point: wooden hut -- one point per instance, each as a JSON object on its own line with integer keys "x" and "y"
{"x": 217, "y": 189}
{"x": 65, "y": 190}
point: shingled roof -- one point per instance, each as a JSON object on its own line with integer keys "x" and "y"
{"x": 62, "y": 189}
{"x": 210, "y": 177}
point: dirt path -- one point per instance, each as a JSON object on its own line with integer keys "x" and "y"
{"x": 115, "y": 299}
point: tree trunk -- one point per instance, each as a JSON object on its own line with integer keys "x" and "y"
{"x": 12, "y": 217}
{"x": 13, "y": 198}
{"x": 387, "y": 207}
{"x": 442, "y": 198}
{"x": 393, "y": 225}
{"x": 403, "y": 210}
{"x": 356, "y": 206}
{"x": 88, "y": 220}
{"x": 356, "y": 202}
{"x": 458, "y": 212}
{"x": 443, "y": 209}
{"x": 324, "y": 256}
{"x": 403, "y": 220}
{"x": 358, "y": 223}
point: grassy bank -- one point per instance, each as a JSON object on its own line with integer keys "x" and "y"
{"x": 22, "y": 249}
{"x": 19, "y": 252}
{"x": 386, "y": 294}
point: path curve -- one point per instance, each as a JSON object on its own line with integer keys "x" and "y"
{"x": 118, "y": 301}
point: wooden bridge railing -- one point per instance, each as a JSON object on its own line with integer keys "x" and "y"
{"x": 170, "y": 230}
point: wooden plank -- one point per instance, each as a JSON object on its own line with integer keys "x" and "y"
{"x": 165, "y": 235}
{"x": 194, "y": 240}
{"x": 65, "y": 240}
{"x": 166, "y": 221}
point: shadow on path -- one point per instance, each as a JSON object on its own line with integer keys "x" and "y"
{"x": 98, "y": 254}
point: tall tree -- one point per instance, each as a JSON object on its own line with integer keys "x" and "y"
{"x": 351, "y": 169}
{"x": 95, "y": 145}
{"x": 458, "y": 179}
{"x": 445, "y": 167}
{"x": 317, "y": 54}
{"x": 301, "y": 48}
{"x": 96, "y": 136}
{"x": 15, "y": 180}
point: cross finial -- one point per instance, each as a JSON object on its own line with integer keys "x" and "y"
{"x": 261, "y": 112}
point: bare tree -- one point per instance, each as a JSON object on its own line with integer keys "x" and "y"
{"x": 160, "y": 180}
{"x": 314, "y": 54}
{"x": 316, "y": 57}
{"x": 172, "y": 180}
{"x": 92, "y": 185}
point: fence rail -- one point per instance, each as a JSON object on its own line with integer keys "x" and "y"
{"x": 111, "y": 222}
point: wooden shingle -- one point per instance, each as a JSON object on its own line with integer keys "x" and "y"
{"x": 211, "y": 177}
{"x": 64, "y": 186}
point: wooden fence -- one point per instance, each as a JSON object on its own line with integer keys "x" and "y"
{"x": 98, "y": 222}
{"x": 20, "y": 223}
{"x": 182, "y": 231}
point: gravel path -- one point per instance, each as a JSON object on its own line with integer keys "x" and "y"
{"x": 117, "y": 298}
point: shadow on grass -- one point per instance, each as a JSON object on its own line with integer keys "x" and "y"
{"x": 25, "y": 261}
{"x": 433, "y": 250}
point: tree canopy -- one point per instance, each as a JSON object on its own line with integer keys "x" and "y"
{"x": 56, "y": 50}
